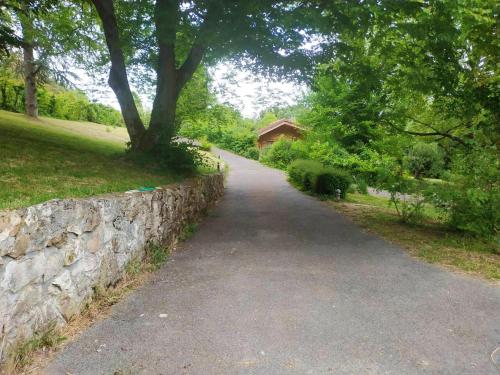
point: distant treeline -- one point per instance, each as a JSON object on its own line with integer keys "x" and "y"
{"x": 58, "y": 102}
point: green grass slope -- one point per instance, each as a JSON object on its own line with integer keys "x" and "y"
{"x": 47, "y": 158}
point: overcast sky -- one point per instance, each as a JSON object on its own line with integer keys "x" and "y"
{"x": 244, "y": 90}
{"x": 251, "y": 93}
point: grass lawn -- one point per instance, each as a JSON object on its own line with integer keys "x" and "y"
{"x": 431, "y": 240}
{"x": 47, "y": 158}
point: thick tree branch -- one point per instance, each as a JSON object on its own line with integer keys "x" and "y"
{"x": 422, "y": 123}
{"x": 118, "y": 79}
{"x": 198, "y": 49}
{"x": 434, "y": 133}
{"x": 192, "y": 62}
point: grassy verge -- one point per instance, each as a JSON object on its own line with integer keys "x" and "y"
{"x": 46, "y": 159}
{"x": 42, "y": 342}
{"x": 430, "y": 240}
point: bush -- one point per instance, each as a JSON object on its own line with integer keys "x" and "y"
{"x": 178, "y": 157}
{"x": 425, "y": 160}
{"x": 281, "y": 153}
{"x": 470, "y": 201}
{"x": 241, "y": 142}
{"x": 302, "y": 173}
{"x": 405, "y": 196}
{"x": 205, "y": 145}
{"x": 250, "y": 153}
{"x": 361, "y": 185}
{"x": 331, "y": 179}
{"x": 312, "y": 176}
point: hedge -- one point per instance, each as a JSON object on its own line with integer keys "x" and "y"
{"x": 312, "y": 176}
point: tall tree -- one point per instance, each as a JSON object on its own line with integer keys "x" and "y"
{"x": 24, "y": 11}
{"x": 270, "y": 33}
{"x": 30, "y": 68}
{"x": 49, "y": 33}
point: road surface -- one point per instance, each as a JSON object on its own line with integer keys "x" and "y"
{"x": 276, "y": 282}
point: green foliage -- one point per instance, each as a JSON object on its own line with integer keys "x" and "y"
{"x": 402, "y": 192}
{"x": 303, "y": 173}
{"x": 241, "y": 142}
{"x": 271, "y": 114}
{"x": 425, "y": 160}
{"x": 156, "y": 255}
{"x": 22, "y": 355}
{"x": 187, "y": 231}
{"x": 330, "y": 180}
{"x": 312, "y": 176}
{"x": 281, "y": 153}
{"x": 179, "y": 157}
{"x": 224, "y": 126}
{"x": 471, "y": 200}
{"x": 195, "y": 98}
{"x": 55, "y": 101}
{"x": 424, "y": 69}
{"x": 361, "y": 185}
{"x": 205, "y": 145}
{"x": 413, "y": 88}
{"x": 265, "y": 119}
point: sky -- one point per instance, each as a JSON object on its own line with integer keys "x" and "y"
{"x": 248, "y": 92}
{"x": 252, "y": 93}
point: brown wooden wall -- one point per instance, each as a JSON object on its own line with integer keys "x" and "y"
{"x": 269, "y": 138}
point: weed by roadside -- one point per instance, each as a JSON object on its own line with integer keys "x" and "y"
{"x": 21, "y": 356}
{"x": 156, "y": 255}
{"x": 188, "y": 231}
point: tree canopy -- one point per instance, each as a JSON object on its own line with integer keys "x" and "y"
{"x": 167, "y": 40}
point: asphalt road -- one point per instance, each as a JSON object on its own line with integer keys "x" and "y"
{"x": 276, "y": 282}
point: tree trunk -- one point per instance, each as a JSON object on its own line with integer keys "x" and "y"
{"x": 118, "y": 79}
{"x": 30, "y": 100}
{"x": 3, "y": 90}
{"x": 29, "y": 67}
{"x": 170, "y": 80}
{"x": 162, "y": 125}
{"x": 161, "y": 128}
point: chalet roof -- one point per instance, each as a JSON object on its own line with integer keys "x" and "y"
{"x": 278, "y": 124}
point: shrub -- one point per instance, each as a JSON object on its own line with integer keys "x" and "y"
{"x": 425, "y": 160}
{"x": 471, "y": 199}
{"x": 361, "y": 185}
{"x": 312, "y": 176}
{"x": 241, "y": 142}
{"x": 302, "y": 173}
{"x": 281, "y": 153}
{"x": 331, "y": 179}
{"x": 404, "y": 194}
{"x": 250, "y": 153}
{"x": 178, "y": 157}
{"x": 205, "y": 145}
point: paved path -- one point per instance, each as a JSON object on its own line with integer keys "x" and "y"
{"x": 276, "y": 282}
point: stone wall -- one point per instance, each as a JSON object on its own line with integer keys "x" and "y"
{"x": 55, "y": 254}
